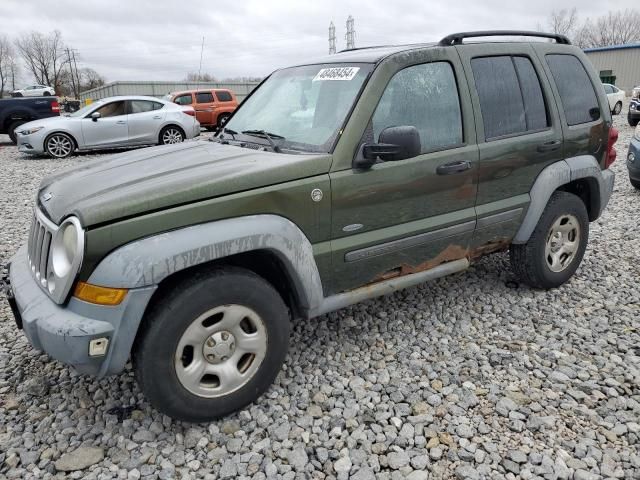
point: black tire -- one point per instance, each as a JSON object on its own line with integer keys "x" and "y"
{"x": 17, "y": 95}
{"x": 12, "y": 127}
{"x": 163, "y": 137}
{"x": 633, "y": 122}
{"x": 66, "y": 145}
{"x": 617, "y": 108}
{"x": 635, "y": 183}
{"x": 47, "y": 94}
{"x": 164, "y": 325}
{"x": 529, "y": 260}
{"x": 222, "y": 119}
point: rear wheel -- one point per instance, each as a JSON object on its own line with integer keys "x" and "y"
{"x": 617, "y": 108}
{"x": 635, "y": 183}
{"x": 556, "y": 247}
{"x": 47, "y": 94}
{"x": 633, "y": 122}
{"x": 212, "y": 345}
{"x": 59, "y": 145}
{"x": 171, "y": 135}
{"x": 12, "y": 129}
{"x": 222, "y": 119}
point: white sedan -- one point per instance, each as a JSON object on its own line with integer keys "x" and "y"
{"x": 34, "y": 91}
{"x": 615, "y": 97}
{"x": 113, "y": 122}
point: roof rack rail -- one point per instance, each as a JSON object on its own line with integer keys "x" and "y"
{"x": 456, "y": 38}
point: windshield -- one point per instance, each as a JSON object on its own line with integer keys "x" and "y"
{"x": 302, "y": 108}
{"x": 86, "y": 109}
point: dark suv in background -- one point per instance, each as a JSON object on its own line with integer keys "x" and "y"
{"x": 344, "y": 178}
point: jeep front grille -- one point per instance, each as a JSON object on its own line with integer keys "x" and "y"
{"x": 42, "y": 231}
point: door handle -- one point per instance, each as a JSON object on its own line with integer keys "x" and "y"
{"x": 121, "y": 122}
{"x": 453, "y": 168}
{"x": 550, "y": 146}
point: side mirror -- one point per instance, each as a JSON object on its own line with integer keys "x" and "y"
{"x": 95, "y": 116}
{"x": 394, "y": 143}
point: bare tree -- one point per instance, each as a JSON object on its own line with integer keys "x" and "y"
{"x": 44, "y": 56}
{"x": 8, "y": 64}
{"x": 614, "y": 28}
{"x": 203, "y": 77}
{"x": 564, "y": 22}
{"x": 89, "y": 79}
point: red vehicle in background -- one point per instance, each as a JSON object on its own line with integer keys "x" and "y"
{"x": 213, "y": 106}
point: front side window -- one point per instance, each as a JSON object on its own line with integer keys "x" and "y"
{"x": 224, "y": 96}
{"x": 305, "y": 107}
{"x": 183, "y": 99}
{"x": 575, "y": 88}
{"x": 141, "y": 106}
{"x": 112, "y": 109}
{"x": 204, "y": 97}
{"x": 510, "y": 94}
{"x": 426, "y": 97}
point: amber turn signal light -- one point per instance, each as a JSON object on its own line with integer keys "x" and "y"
{"x": 99, "y": 295}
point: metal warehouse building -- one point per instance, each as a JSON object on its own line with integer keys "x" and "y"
{"x": 160, "y": 89}
{"x": 618, "y": 64}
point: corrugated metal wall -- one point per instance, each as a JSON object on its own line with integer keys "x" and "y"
{"x": 160, "y": 89}
{"x": 624, "y": 64}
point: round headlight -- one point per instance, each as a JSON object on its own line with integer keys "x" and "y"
{"x": 65, "y": 247}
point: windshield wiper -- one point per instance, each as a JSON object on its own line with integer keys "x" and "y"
{"x": 267, "y": 135}
{"x": 218, "y": 137}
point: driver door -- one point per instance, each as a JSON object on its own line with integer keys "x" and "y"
{"x": 401, "y": 217}
{"x": 111, "y": 129}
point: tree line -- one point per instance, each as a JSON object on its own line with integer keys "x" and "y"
{"x": 46, "y": 58}
{"x": 613, "y": 28}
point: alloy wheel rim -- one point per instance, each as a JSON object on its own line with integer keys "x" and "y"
{"x": 59, "y": 146}
{"x": 220, "y": 351}
{"x": 563, "y": 242}
{"x": 171, "y": 136}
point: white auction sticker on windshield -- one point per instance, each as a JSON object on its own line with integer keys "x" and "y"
{"x": 336, "y": 73}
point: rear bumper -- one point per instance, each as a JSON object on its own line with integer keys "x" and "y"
{"x": 64, "y": 332}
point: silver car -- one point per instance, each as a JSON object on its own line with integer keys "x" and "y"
{"x": 113, "y": 122}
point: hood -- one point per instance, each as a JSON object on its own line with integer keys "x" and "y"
{"x": 156, "y": 178}
{"x": 43, "y": 122}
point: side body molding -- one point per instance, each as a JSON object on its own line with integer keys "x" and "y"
{"x": 562, "y": 173}
{"x": 148, "y": 261}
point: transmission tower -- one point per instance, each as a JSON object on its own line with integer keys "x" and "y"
{"x": 332, "y": 38}
{"x": 350, "y": 36}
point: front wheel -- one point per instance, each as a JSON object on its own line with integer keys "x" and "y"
{"x": 59, "y": 145}
{"x": 12, "y": 129}
{"x": 635, "y": 183}
{"x": 212, "y": 345}
{"x": 633, "y": 122}
{"x": 556, "y": 247}
{"x": 222, "y": 120}
{"x": 617, "y": 108}
{"x": 171, "y": 135}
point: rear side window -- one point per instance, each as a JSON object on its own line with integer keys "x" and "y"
{"x": 183, "y": 99}
{"x": 426, "y": 97}
{"x": 141, "y": 106}
{"x": 608, "y": 89}
{"x": 204, "y": 97}
{"x": 575, "y": 88}
{"x": 224, "y": 96}
{"x": 511, "y": 98}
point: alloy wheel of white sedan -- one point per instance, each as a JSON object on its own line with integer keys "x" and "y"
{"x": 59, "y": 145}
{"x": 172, "y": 135}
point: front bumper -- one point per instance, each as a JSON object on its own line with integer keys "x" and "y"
{"x": 33, "y": 143}
{"x": 64, "y": 332}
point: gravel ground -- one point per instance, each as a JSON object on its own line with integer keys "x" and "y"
{"x": 471, "y": 376}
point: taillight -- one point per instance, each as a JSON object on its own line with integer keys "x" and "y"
{"x": 55, "y": 106}
{"x": 189, "y": 112}
{"x": 611, "y": 149}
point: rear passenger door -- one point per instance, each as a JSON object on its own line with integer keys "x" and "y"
{"x": 205, "y": 108}
{"x": 519, "y": 134}
{"x": 145, "y": 118}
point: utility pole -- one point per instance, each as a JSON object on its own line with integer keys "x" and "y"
{"x": 350, "y": 36}
{"x": 73, "y": 80}
{"x": 75, "y": 65}
{"x": 332, "y": 38}
{"x": 200, "y": 67}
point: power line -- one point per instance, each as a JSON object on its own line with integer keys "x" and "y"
{"x": 332, "y": 38}
{"x": 350, "y": 36}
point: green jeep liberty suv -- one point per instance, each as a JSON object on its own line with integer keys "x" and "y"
{"x": 335, "y": 181}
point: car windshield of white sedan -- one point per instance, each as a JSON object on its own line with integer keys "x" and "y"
{"x": 85, "y": 110}
{"x": 301, "y": 108}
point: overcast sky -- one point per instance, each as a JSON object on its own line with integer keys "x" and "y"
{"x": 161, "y": 39}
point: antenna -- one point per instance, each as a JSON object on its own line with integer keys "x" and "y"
{"x": 332, "y": 38}
{"x": 350, "y": 36}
